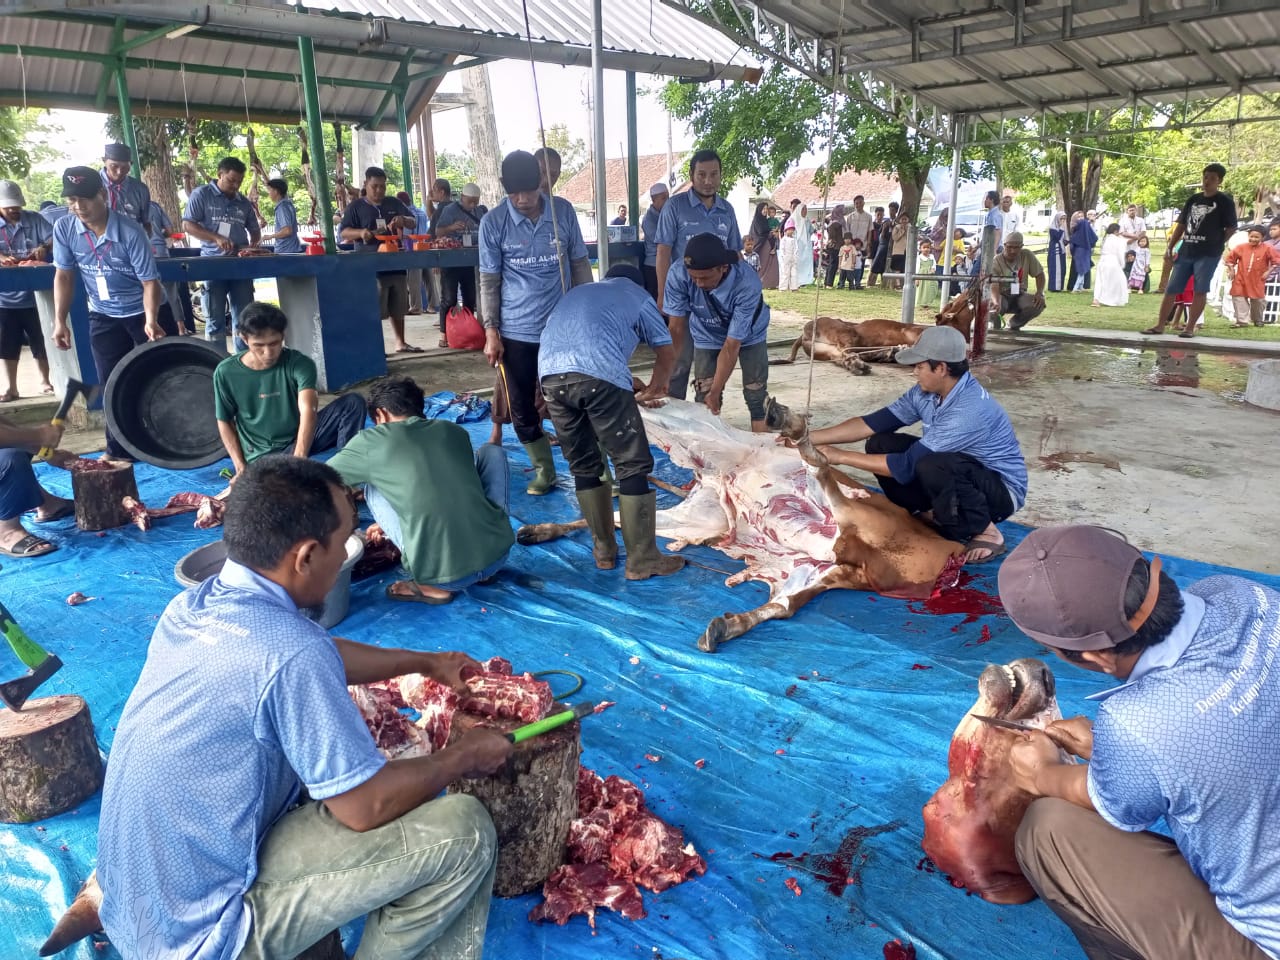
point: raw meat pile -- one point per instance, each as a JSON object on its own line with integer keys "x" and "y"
{"x": 496, "y": 693}
{"x": 84, "y": 465}
{"x": 379, "y": 554}
{"x": 208, "y": 510}
{"x": 615, "y": 846}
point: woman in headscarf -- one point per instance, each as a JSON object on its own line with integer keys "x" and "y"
{"x": 1083, "y": 240}
{"x": 804, "y": 243}
{"x": 1058, "y": 253}
{"x": 766, "y": 247}
{"x": 831, "y": 248}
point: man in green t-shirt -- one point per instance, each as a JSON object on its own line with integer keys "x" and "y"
{"x": 1012, "y": 271}
{"x": 265, "y": 396}
{"x": 443, "y": 505}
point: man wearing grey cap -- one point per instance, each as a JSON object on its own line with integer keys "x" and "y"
{"x": 24, "y": 236}
{"x": 1191, "y": 736}
{"x": 126, "y": 196}
{"x": 658, "y": 196}
{"x": 966, "y": 474}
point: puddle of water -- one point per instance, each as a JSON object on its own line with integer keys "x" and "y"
{"x": 1222, "y": 373}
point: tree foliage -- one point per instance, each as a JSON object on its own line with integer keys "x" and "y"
{"x": 15, "y": 162}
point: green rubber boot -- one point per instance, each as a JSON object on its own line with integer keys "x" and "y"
{"x": 606, "y": 475}
{"x": 544, "y": 467}
{"x": 597, "y": 510}
{"x": 644, "y": 559}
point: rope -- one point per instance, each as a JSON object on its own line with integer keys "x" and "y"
{"x": 563, "y": 673}
{"x": 244, "y": 88}
{"x": 561, "y": 266}
{"x": 22, "y": 63}
{"x": 186, "y": 106}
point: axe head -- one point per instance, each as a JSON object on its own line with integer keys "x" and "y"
{"x": 14, "y": 693}
{"x": 77, "y": 389}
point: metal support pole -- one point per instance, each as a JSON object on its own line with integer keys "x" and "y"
{"x": 597, "y": 95}
{"x": 426, "y": 155}
{"x": 315, "y": 140}
{"x": 633, "y": 153}
{"x": 406, "y": 159}
{"x": 909, "y": 277}
{"x": 952, "y": 213}
{"x": 126, "y": 117}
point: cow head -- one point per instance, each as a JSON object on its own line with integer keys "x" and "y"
{"x": 960, "y": 312}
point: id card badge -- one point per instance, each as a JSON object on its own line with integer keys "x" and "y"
{"x": 1015, "y": 288}
{"x": 103, "y": 292}
{"x": 381, "y": 225}
{"x": 224, "y": 229}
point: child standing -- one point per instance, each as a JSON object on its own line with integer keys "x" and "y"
{"x": 749, "y": 254}
{"x": 1251, "y": 262}
{"x": 927, "y": 295}
{"x": 788, "y": 250}
{"x": 1140, "y": 275}
{"x": 848, "y": 257}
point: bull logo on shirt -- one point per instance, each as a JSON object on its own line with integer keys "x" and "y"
{"x": 1198, "y": 212}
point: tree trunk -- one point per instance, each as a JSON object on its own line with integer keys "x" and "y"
{"x": 159, "y": 175}
{"x": 1076, "y": 182}
{"x": 49, "y": 758}
{"x": 484, "y": 134}
{"x": 912, "y": 183}
{"x": 98, "y": 492}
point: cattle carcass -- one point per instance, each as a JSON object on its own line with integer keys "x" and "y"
{"x": 801, "y": 526}
{"x": 855, "y": 345}
{"x": 970, "y": 823}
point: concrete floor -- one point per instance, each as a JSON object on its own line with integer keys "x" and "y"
{"x": 1157, "y": 444}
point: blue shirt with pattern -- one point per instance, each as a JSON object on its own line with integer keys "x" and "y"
{"x": 735, "y": 308}
{"x": 55, "y": 213}
{"x": 209, "y": 208}
{"x": 20, "y": 240}
{"x": 685, "y": 216}
{"x": 456, "y": 213}
{"x": 240, "y": 700}
{"x": 286, "y": 215}
{"x": 595, "y": 329}
{"x": 130, "y": 198}
{"x": 649, "y": 231}
{"x": 161, "y": 227}
{"x": 968, "y": 420}
{"x": 122, "y": 254}
{"x": 1193, "y": 737}
{"x": 523, "y": 251}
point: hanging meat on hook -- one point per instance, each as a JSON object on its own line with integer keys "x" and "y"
{"x": 306, "y": 179}
{"x": 259, "y": 173}
{"x": 342, "y": 192}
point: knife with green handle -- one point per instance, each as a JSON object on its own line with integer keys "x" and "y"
{"x": 550, "y": 723}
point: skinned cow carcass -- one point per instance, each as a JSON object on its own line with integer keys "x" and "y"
{"x": 970, "y": 823}
{"x": 801, "y": 526}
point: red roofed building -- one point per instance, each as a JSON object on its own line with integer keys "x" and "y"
{"x": 580, "y": 188}
{"x": 876, "y": 189}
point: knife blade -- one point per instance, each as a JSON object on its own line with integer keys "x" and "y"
{"x": 1007, "y": 724}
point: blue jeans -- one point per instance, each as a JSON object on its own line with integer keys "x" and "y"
{"x": 1188, "y": 266}
{"x": 495, "y": 478}
{"x": 19, "y": 489}
{"x": 216, "y": 295}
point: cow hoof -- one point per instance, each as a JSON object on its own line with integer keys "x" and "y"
{"x": 532, "y": 533}
{"x": 713, "y": 636}
{"x": 779, "y": 417}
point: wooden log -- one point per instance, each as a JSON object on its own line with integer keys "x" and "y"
{"x": 531, "y": 800}
{"x": 49, "y": 758}
{"x": 98, "y": 492}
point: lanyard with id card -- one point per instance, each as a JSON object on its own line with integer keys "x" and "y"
{"x": 101, "y": 279}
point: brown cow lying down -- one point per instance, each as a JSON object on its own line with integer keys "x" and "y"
{"x": 970, "y": 823}
{"x": 856, "y": 344}
{"x": 783, "y": 511}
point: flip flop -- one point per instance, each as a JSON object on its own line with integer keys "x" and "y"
{"x": 996, "y": 549}
{"x": 1152, "y": 332}
{"x": 9, "y": 397}
{"x": 416, "y": 596}
{"x": 47, "y": 389}
{"x": 443, "y": 343}
{"x": 409, "y": 348}
{"x": 29, "y": 546}
{"x": 65, "y": 509}
{"x": 1186, "y": 336}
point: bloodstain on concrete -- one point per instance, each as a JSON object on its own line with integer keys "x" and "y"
{"x": 843, "y": 867}
{"x": 1058, "y": 461}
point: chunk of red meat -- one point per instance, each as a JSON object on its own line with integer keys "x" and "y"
{"x": 589, "y": 837}
{"x": 590, "y": 791}
{"x": 498, "y": 665}
{"x": 581, "y": 888}
{"x": 392, "y": 731}
{"x": 653, "y": 854}
{"x": 509, "y": 697}
{"x": 379, "y": 554}
{"x": 137, "y": 513}
{"x": 435, "y": 703}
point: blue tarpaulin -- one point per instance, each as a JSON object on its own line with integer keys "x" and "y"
{"x": 821, "y": 735}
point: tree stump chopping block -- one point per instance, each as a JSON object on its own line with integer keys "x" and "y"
{"x": 531, "y": 800}
{"x": 49, "y": 759}
{"x": 98, "y": 491}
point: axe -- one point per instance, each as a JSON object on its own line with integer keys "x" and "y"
{"x": 74, "y": 389}
{"x": 42, "y": 665}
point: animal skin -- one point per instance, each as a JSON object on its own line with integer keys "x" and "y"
{"x": 970, "y": 823}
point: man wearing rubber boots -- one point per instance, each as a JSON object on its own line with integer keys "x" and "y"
{"x": 525, "y": 242}
{"x": 1185, "y": 741}
{"x": 589, "y": 337}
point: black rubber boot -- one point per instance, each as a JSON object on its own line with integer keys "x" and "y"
{"x": 644, "y": 559}
{"x": 597, "y": 510}
{"x": 544, "y": 467}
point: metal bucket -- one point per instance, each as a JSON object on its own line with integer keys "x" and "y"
{"x": 204, "y": 562}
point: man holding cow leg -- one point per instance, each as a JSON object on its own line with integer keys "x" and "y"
{"x": 966, "y": 474}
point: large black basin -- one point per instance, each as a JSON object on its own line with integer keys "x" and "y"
{"x": 159, "y": 403}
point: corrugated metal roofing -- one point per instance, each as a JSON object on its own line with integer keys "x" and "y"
{"x": 361, "y": 46}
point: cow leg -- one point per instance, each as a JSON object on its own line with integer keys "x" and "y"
{"x": 854, "y": 363}
{"x": 532, "y": 533}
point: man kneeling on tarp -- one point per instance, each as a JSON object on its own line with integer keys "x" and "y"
{"x": 443, "y": 505}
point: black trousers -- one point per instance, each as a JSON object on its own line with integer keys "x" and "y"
{"x": 833, "y": 264}
{"x": 110, "y": 338}
{"x": 338, "y": 422}
{"x": 650, "y": 279}
{"x": 453, "y": 279}
{"x": 520, "y": 369}
{"x": 584, "y": 408}
{"x": 964, "y": 495}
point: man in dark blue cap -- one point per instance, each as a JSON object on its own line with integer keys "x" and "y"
{"x": 126, "y": 195}
{"x": 531, "y": 253}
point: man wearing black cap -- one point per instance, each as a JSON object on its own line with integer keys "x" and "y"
{"x": 966, "y": 474}
{"x": 114, "y": 258}
{"x": 1190, "y": 737}
{"x": 715, "y": 299}
{"x": 126, "y": 195}
{"x": 588, "y": 340}
{"x": 531, "y": 253}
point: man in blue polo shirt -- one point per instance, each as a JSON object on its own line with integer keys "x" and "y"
{"x": 118, "y": 269}
{"x": 24, "y": 235}
{"x": 699, "y": 210}
{"x": 1190, "y": 738}
{"x": 583, "y": 366}
{"x": 966, "y": 474}
{"x": 658, "y": 197}
{"x": 224, "y": 221}
{"x": 126, "y": 195}
{"x": 284, "y": 235}
{"x": 714, "y": 300}
{"x": 523, "y": 275}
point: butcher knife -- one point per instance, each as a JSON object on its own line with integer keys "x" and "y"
{"x": 550, "y": 723}
{"x": 1007, "y": 724}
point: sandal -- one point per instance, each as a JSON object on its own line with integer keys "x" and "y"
{"x": 64, "y": 509}
{"x": 444, "y": 342}
{"x": 415, "y": 594}
{"x": 1152, "y": 332}
{"x": 1186, "y": 335}
{"x": 996, "y": 549}
{"x": 28, "y": 546}
{"x": 47, "y": 389}
{"x": 8, "y": 396}
{"x": 408, "y": 348}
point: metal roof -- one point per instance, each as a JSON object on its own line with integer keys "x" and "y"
{"x": 994, "y": 59}
{"x": 63, "y": 54}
